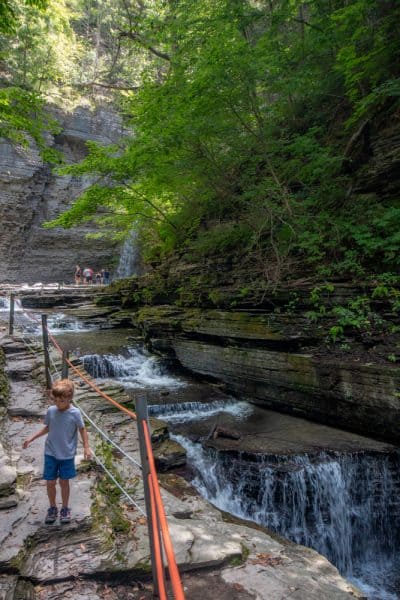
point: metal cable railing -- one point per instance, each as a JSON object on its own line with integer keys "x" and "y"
{"x": 105, "y": 436}
{"x": 111, "y": 476}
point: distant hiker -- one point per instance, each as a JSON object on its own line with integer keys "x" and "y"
{"x": 98, "y": 278}
{"x": 105, "y": 276}
{"x": 78, "y": 275}
{"x": 88, "y": 274}
{"x": 62, "y": 422}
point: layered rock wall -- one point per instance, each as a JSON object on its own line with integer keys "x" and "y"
{"x": 282, "y": 365}
{"x": 30, "y": 193}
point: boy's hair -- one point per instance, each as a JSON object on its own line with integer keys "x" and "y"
{"x": 63, "y": 389}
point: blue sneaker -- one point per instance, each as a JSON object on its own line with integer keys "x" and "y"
{"x": 65, "y": 515}
{"x": 51, "y": 516}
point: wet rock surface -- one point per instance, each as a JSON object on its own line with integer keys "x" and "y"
{"x": 265, "y": 432}
{"x": 109, "y": 542}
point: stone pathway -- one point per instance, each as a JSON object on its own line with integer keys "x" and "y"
{"x": 103, "y": 554}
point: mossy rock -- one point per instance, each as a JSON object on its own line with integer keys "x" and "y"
{"x": 107, "y": 300}
{"x": 4, "y": 383}
{"x": 159, "y": 431}
{"x": 24, "y": 590}
{"x": 169, "y": 455}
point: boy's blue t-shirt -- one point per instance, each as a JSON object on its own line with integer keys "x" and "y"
{"x": 62, "y": 439}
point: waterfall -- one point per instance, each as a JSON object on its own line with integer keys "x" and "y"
{"x": 105, "y": 367}
{"x": 190, "y": 411}
{"x": 61, "y": 323}
{"x": 22, "y": 317}
{"x": 134, "y": 371}
{"x": 4, "y": 303}
{"x": 129, "y": 259}
{"x": 345, "y": 506}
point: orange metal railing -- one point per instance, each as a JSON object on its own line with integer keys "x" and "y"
{"x": 169, "y": 551}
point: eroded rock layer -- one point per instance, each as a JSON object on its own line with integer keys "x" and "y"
{"x": 260, "y": 357}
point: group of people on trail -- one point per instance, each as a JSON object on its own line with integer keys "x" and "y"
{"x": 88, "y": 276}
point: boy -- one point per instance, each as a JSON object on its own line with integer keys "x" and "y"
{"x": 62, "y": 422}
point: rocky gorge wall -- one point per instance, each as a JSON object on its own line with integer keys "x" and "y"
{"x": 278, "y": 356}
{"x": 257, "y": 358}
{"x": 30, "y": 193}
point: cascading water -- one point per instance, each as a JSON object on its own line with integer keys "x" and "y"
{"x": 22, "y": 317}
{"x": 57, "y": 323}
{"x": 4, "y": 303}
{"x": 134, "y": 371}
{"x": 347, "y": 507}
{"x": 60, "y": 323}
{"x": 197, "y": 410}
{"x": 129, "y": 263}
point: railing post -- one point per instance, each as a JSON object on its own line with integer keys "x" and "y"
{"x": 141, "y": 412}
{"x": 64, "y": 370}
{"x": 12, "y": 307}
{"x": 45, "y": 338}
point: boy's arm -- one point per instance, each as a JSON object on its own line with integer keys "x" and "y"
{"x": 34, "y": 437}
{"x": 87, "y": 453}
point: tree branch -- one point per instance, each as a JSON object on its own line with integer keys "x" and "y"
{"x": 137, "y": 38}
{"x": 156, "y": 208}
{"x": 112, "y": 86}
{"x": 303, "y": 22}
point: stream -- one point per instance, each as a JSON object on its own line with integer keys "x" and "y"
{"x": 336, "y": 492}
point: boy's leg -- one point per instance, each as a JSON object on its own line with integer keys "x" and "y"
{"x": 51, "y": 492}
{"x": 50, "y": 474}
{"x": 65, "y": 514}
{"x": 67, "y": 472}
{"x": 64, "y": 485}
{"x": 52, "y": 511}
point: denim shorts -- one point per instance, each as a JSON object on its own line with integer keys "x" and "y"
{"x": 53, "y": 468}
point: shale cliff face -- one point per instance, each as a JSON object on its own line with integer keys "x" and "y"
{"x": 30, "y": 194}
{"x": 281, "y": 355}
{"x": 281, "y": 363}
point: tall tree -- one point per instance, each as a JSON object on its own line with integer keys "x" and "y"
{"x": 9, "y": 13}
{"x": 36, "y": 55}
{"x": 236, "y": 139}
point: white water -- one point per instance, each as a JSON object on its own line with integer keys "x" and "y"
{"x": 129, "y": 259}
{"x": 27, "y": 321}
{"x": 134, "y": 371}
{"x": 345, "y": 507}
{"x": 60, "y": 323}
{"x": 193, "y": 411}
{"x": 30, "y": 320}
{"x": 5, "y": 304}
